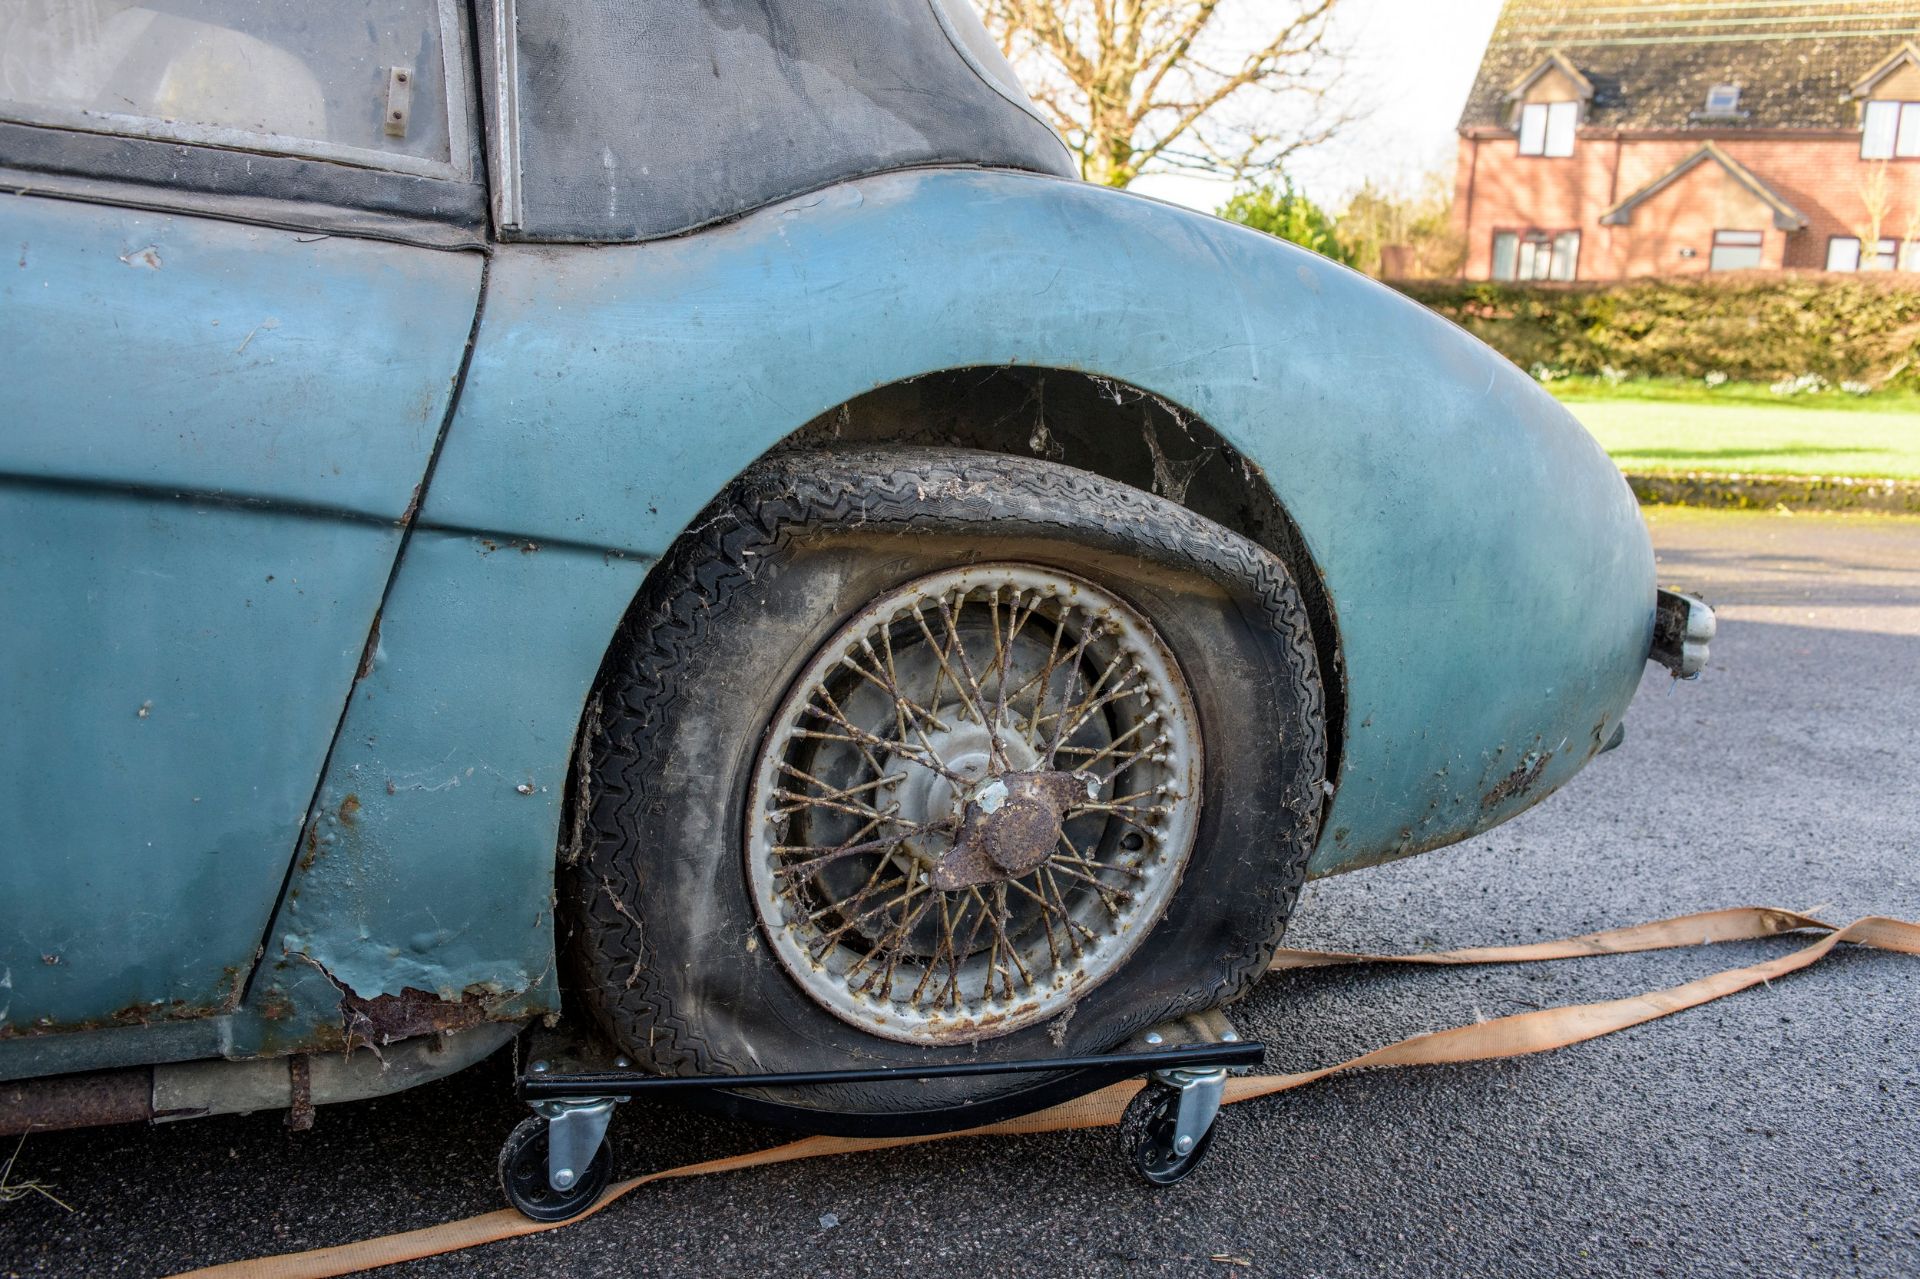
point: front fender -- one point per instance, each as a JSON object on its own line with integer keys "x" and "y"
{"x": 1491, "y": 577}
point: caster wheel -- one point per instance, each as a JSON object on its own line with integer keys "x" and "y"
{"x": 1146, "y": 1137}
{"x": 523, "y": 1176}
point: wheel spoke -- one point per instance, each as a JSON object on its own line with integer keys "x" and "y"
{"x": 880, "y": 754}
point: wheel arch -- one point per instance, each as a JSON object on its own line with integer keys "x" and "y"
{"x": 1493, "y": 580}
{"x": 1103, "y": 425}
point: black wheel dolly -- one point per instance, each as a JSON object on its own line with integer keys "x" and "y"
{"x": 556, "y": 1164}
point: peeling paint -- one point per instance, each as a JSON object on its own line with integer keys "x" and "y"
{"x": 370, "y": 655}
{"x": 1519, "y": 781}
{"x": 383, "y": 1019}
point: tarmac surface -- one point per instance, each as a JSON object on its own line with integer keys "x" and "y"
{"x": 1775, "y": 1132}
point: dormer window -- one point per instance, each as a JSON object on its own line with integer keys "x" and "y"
{"x": 1889, "y": 112}
{"x": 1890, "y": 129}
{"x": 1546, "y": 105}
{"x": 1547, "y": 128}
{"x": 1723, "y": 99}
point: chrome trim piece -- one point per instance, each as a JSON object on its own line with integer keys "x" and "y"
{"x": 1683, "y": 627}
{"x": 506, "y": 131}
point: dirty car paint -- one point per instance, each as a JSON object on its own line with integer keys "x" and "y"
{"x": 210, "y": 433}
{"x": 429, "y": 862}
{"x": 1491, "y": 577}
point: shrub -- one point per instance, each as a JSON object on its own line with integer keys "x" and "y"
{"x": 1753, "y": 328}
{"x": 1287, "y": 212}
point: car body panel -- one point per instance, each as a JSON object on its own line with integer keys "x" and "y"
{"x": 1493, "y": 625}
{"x": 434, "y": 835}
{"x": 212, "y": 434}
{"x": 1487, "y": 568}
{"x": 1491, "y": 576}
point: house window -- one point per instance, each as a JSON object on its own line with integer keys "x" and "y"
{"x": 1843, "y": 254}
{"x": 1889, "y": 130}
{"x": 1547, "y": 128}
{"x": 1535, "y": 255}
{"x": 1723, "y": 99}
{"x": 1736, "y": 250}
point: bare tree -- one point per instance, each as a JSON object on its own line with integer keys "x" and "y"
{"x": 1230, "y": 87}
{"x": 1907, "y": 257}
{"x": 1876, "y": 201}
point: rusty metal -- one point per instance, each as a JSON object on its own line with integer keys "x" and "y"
{"x": 300, "y": 1096}
{"x": 385, "y": 1019}
{"x": 1013, "y": 827}
{"x": 76, "y": 1101}
{"x": 1519, "y": 781}
{"x": 1683, "y": 627}
{"x": 976, "y": 800}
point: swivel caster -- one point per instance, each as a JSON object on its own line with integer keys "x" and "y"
{"x": 555, "y": 1165}
{"x": 1168, "y": 1127}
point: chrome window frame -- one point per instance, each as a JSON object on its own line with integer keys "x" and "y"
{"x": 504, "y": 71}
{"x": 459, "y": 107}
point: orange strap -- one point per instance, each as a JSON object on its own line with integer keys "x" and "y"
{"x": 1513, "y": 1036}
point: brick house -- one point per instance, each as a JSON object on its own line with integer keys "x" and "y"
{"x": 1607, "y": 138}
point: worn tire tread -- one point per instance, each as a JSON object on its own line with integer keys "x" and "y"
{"x": 695, "y": 586}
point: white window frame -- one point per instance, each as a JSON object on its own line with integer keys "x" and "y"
{"x": 1846, "y": 253}
{"x": 1548, "y": 129}
{"x": 1536, "y": 256}
{"x": 1723, "y": 99}
{"x": 1512, "y": 248}
{"x": 1533, "y": 128}
{"x": 1890, "y": 130}
{"x": 1563, "y": 122}
{"x": 1731, "y": 243}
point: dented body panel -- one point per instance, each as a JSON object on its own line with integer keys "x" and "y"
{"x": 436, "y": 826}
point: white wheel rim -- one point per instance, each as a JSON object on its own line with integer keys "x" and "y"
{"x": 900, "y": 740}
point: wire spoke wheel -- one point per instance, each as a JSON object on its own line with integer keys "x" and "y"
{"x": 901, "y": 748}
{"x": 974, "y": 803}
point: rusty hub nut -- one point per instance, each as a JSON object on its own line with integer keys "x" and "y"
{"x": 1012, "y": 826}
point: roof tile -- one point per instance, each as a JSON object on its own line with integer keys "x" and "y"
{"x": 1652, "y": 61}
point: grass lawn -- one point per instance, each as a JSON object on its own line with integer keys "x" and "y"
{"x": 1683, "y": 426}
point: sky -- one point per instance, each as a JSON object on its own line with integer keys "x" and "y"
{"x": 1411, "y": 64}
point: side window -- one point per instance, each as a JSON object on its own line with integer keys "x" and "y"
{"x": 359, "y": 81}
{"x": 1548, "y": 128}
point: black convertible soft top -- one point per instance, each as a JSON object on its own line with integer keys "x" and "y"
{"x": 643, "y": 118}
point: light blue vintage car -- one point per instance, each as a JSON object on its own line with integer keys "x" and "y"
{"x": 689, "y": 519}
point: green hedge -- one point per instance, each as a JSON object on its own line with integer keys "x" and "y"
{"x": 1750, "y": 327}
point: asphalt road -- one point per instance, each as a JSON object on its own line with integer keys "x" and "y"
{"x": 1776, "y": 1132}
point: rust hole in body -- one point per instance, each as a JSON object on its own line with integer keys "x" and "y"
{"x": 385, "y": 1019}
